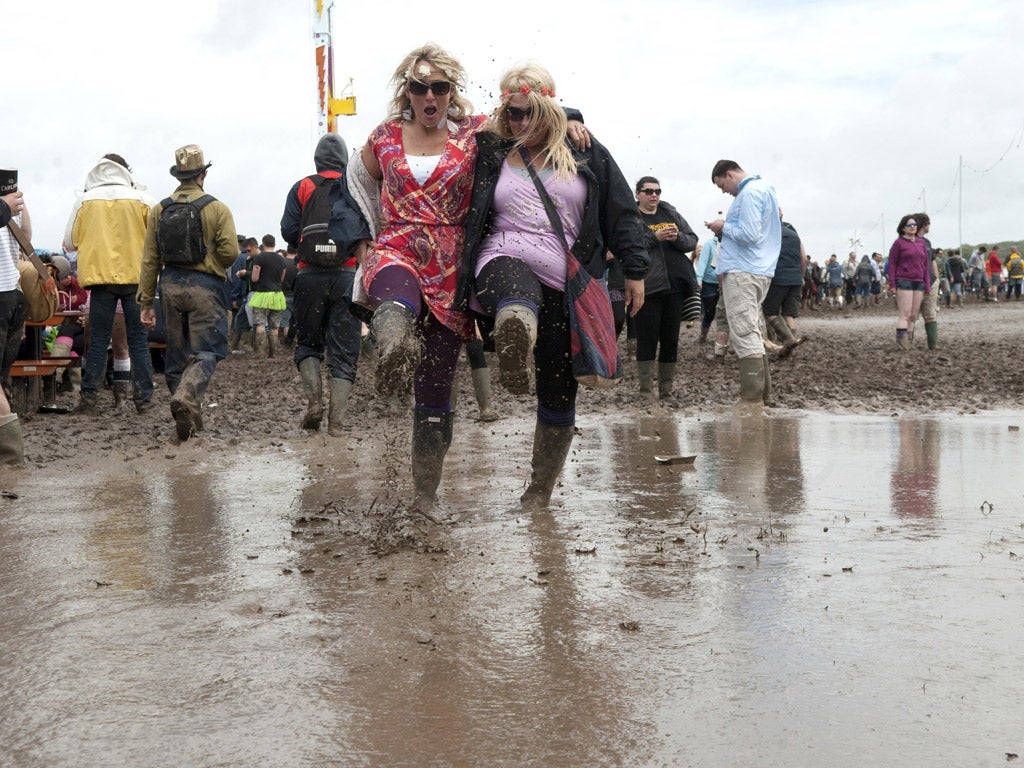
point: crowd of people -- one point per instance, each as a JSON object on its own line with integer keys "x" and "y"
{"x": 448, "y": 230}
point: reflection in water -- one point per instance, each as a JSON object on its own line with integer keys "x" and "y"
{"x": 744, "y": 453}
{"x": 914, "y": 480}
{"x": 506, "y": 648}
{"x": 785, "y": 474}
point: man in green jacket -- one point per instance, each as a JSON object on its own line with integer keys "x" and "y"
{"x": 193, "y": 295}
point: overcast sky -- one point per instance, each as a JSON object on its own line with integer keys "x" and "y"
{"x": 857, "y": 112}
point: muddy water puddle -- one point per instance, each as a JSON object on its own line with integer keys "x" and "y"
{"x": 814, "y": 589}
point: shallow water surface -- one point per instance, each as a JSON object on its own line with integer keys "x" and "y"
{"x": 815, "y": 589}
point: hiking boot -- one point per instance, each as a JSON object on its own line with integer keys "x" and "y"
{"x": 515, "y": 333}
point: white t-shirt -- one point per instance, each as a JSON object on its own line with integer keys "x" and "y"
{"x": 9, "y": 251}
{"x": 422, "y": 166}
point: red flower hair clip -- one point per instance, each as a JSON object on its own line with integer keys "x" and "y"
{"x": 524, "y": 88}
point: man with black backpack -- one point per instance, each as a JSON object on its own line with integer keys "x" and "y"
{"x": 190, "y": 242}
{"x": 323, "y": 287}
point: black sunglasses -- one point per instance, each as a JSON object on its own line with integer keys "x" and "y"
{"x": 438, "y": 87}
{"x": 650, "y": 191}
{"x": 515, "y": 114}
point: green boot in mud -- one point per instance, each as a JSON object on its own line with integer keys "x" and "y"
{"x": 645, "y": 374}
{"x": 398, "y": 349}
{"x": 515, "y": 334}
{"x": 752, "y": 373}
{"x": 550, "y": 448}
{"x": 12, "y": 445}
{"x": 312, "y": 386}
{"x": 431, "y": 436}
{"x": 931, "y": 330}
{"x": 340, "y": 390}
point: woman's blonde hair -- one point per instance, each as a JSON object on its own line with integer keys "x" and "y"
{"x": 459, "y": 106}
{"x": 547, "y": 122}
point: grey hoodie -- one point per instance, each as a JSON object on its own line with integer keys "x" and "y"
{"x": 331, "y": 153}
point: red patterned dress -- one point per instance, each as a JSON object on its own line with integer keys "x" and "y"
{"x": 422, "y": 228}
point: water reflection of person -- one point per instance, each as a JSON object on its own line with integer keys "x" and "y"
{"x": 914, "y": 474}
{"x": 784, "y": 487}
{"x": 744, "y": 447}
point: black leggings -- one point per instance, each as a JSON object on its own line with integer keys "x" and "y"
{"x": 657, "y": 326}
{"x": 506, "y": 280}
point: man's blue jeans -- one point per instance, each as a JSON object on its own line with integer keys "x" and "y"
{"x": 102, "y": 307}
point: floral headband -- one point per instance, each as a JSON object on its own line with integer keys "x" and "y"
{"x": 544, "y": 91}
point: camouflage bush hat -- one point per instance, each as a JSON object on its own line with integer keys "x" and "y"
{"x": 188, "y": 162}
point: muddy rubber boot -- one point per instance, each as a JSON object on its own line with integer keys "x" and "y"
{"x": 550, "y": 447}
{"x": 259, "y": 344}
{"x": 86, "y": 404}
{"x": 312, "y": 385}
{"x": 74, "y": 378}
{"x": 431, "y": 436}
{"x": 666, "y": 377}
{"x": 340, "y": 390}
{"x": 12, "y": 445}
{"x": 120, "y": 390}
{"x": 233, "y": 341}
{"x": 703, "y": 337}
{"x": 752, "y": 379}
{"x": 515, "y": 334}
{"x": 185, "y": 404}
{"x": 931, "y": 330}
{"x": 645, "y": 374}
{"x": 902, "y": 341}
{"x": 272, "y": 342}
{"x": 398, "y": 350}
{"x": 767, "y": 393}
{"x": 785, "y": 334}
{"x": 482, "y": 388}
{"x": 246, "y": 338}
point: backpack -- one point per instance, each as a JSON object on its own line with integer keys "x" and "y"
{"x": 316, "y": 248}
{"x": 179, "y": 233}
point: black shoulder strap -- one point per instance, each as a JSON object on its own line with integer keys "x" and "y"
{"x": 203, "y": 201}
{"x": 165, "y": 203}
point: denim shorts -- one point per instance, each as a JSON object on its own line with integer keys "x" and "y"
{"x": 910, "y": 285}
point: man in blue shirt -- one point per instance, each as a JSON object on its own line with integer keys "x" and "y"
{"x": 751, "y": 237}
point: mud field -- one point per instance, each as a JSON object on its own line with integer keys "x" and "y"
{"x": 850, "y": 364}
{"x": 835, "y": 582}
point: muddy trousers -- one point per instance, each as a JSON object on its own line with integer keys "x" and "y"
{"x": 325, "y": 327}
{"x": 196, "y": 316}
